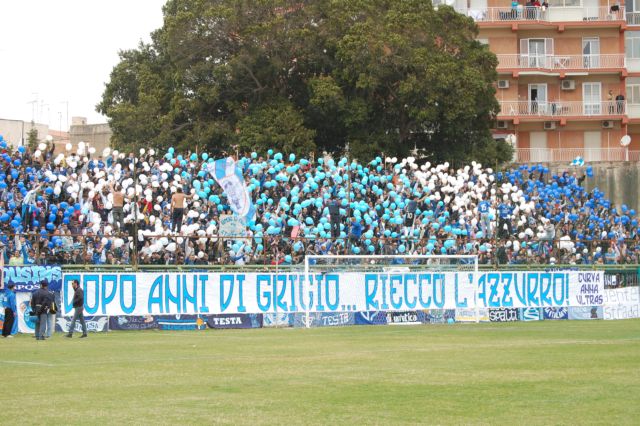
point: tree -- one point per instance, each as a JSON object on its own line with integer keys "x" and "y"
{"x": 32, "y": 138}
{"x": 379, "y": 75}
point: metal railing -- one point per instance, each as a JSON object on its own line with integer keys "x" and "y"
{"x": 633, "y": 18}
{"x": 561, "y": 108}
{"x": 566, "y": 155}
{"x": 539, "y": 14}
{"x": 561, "y": 62}
{"x": 81, "y": 252}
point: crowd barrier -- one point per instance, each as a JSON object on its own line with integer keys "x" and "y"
{"x": 200, "y": 300}
{"x": 77, "y": 250}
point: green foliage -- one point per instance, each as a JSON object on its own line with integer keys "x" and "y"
{"x": 379, "y": 75}
{"x": 493, "y": 152}
{"x": 32, "y": 138}
{"x": 278, "y": 126}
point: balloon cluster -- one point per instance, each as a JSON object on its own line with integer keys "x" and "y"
{"x": 294, "y": 196}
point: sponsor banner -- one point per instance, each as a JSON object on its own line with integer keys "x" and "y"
{"x": 27, "y": 278}
{"x": 555, "y": 313}
{"x": 503, "y": 314}
{"x": 146, "y": 322}
{"x": 622, "y": 303}
{"x": 530, "y": 314}
{"x": 585, "y": 312}
{"x": 181, "y": 322}
{"x": 96, "y": 324}
{"x": 622, "y": 296}
{"x": 318, "y": 319}
{"x": 370, "y": 318}
{"x": 277, "y": 320}
{"x": 469, "y": 315}
{"x": 616, "y": 312}
{"x": 405, "y": 317}
{"x": 439, "y": 316}
{"x": 221, "y": 293}
{"x": 26, "y": 323}
{"x": 235, "y": 321}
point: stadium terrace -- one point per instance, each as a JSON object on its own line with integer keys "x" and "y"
{"x": 59, "y": 210}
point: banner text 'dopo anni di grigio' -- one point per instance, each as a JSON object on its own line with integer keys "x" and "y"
{"x": 220, "y": 293}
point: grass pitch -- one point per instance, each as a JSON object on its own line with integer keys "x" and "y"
{"x": 549, "y": 372}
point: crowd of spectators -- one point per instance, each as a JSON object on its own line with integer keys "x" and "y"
{"x": 80, "y": 207}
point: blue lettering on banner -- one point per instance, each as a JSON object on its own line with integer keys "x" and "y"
{"x": 556, "y": 313}
{"x": 370, "y": 318}
{"x": 140, "y": 294}
{"x": 28, "y": 278}
{"x": 530, "y": 314}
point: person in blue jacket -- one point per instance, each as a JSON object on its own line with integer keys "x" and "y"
{"x": 10, "y": 311}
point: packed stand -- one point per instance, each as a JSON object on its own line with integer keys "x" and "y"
{"x": 80, "y": 208}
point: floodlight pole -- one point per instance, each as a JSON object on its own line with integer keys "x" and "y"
{"x": 307, "y": 285}
{"x": 347, "y": 245}
{"x": 135, "y": 216}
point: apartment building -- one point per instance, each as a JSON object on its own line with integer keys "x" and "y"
{"x": 569, "y": 76}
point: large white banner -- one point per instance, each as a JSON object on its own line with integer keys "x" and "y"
{"x": 216, "y": 293}
{"x": 622, "y": 303}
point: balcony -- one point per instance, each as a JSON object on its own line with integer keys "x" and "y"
{"x": 561, "y": 108}
{"x": 566, "y": 155}
{"x": 633, "y": 18}
{"x": 561, "y": 62}
{"x": 552, "y": 14}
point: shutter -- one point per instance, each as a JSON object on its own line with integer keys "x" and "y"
{"x": 524, "y": 52}
{"x": 548, "y": 46}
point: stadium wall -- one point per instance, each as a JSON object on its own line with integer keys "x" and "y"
{"x": 620, "y": 180}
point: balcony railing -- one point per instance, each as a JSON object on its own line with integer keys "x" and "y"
{"x": 566, "y": 155}
{"x": 633, "y": 18}
{"x": 561, "y": 108}
{"x": 561, "y": 62}
{"x": 552, "y": 14}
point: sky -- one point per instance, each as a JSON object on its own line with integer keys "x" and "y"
{"x": 56, "y": 55}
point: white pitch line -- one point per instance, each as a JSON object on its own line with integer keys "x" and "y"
{"x": 43, "y": 364}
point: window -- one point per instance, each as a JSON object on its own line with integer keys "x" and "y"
{"x": 632, "y": 44}
{"x": 633, "y": 93}
{"x": 483, "y": 41}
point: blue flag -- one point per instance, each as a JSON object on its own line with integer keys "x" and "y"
{"x": 230, "y": 178}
